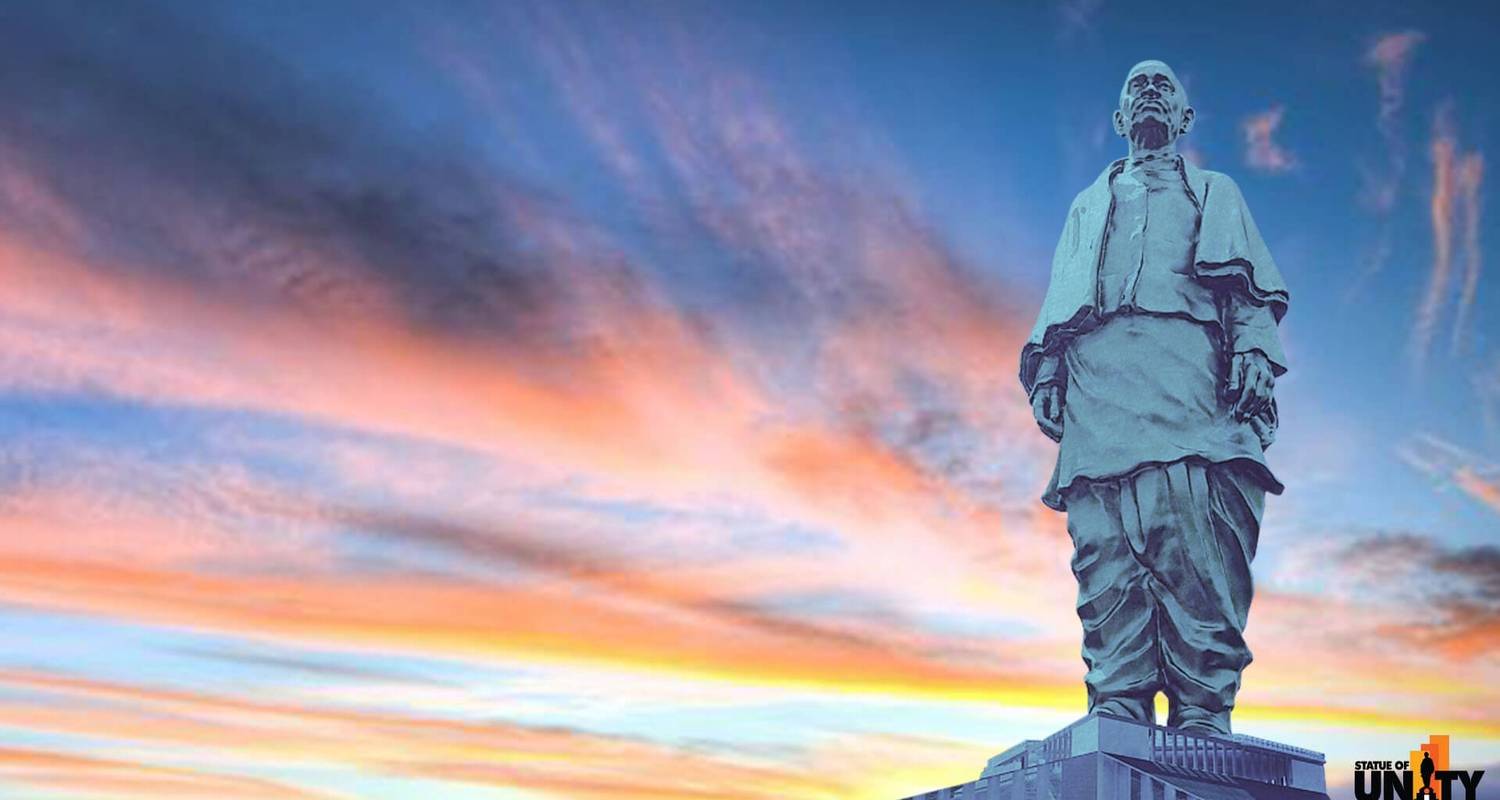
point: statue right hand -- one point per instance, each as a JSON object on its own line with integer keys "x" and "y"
{"x": 1046, "y": 407}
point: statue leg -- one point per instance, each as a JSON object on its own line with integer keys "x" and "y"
{"x": 1115, "y": 603}
{"x": 1202, "y": 523}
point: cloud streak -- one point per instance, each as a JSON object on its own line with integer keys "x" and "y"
{"x": 104, "y": 777}
{"x": 1262, "y": 152}
{"x": 257, "y": 735}
{"x": 1456, "y": 467}
{"x": 1390, "y": 56}
{"x": 1467, "y": 182}
{"x": 1456, "y": 181}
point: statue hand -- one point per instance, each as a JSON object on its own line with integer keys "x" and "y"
{"x": 1250, "y": 383}
{"x": 1046, "y": 406}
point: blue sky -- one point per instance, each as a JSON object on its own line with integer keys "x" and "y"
{"x": 619, "y": 400}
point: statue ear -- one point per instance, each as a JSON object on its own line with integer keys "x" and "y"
{"x": 1119, "y": 123}
{"x": 1187, "y": 120}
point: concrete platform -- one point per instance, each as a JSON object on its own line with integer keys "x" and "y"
{"x": 1106, "y": 758}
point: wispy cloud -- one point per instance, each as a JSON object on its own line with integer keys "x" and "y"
{"x": 1456, "y": 180}
{"x": 1077, "y": 16}
{"x": 1262, "y": 152}
{"x": 259, "y": 735}
{"x": 1468, "y": 178}
{"x": 1390, "y": 57}
{"x": 1441, "y": 213}
{"x": 91, "y": 776}
{"x": 1455, "y": 467}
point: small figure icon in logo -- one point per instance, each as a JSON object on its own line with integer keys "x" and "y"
{"x": 1427, "y": 769}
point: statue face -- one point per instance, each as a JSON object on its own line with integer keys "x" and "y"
{"x": 1153, "y": 106}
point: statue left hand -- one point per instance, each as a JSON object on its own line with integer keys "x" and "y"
{"x": 1249, "y": 384}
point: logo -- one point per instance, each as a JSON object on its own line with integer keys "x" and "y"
{"x": 1423, "y": 776}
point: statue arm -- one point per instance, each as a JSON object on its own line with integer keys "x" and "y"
{"x": 1044, "y": 370}
{"x": 1251, "y": 327}
{"x": 1047, "y": 394}
{"x": 1040, "y": 347}
{"x": 1255, "y": 361}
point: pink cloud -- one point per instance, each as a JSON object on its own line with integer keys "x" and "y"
{"x": 1261, "y": 150}
{"x": 1390, "y": 56}
{"x": 1455, "y": 200}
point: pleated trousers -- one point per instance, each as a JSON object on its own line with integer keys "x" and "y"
{"x": 1162, "y": 557}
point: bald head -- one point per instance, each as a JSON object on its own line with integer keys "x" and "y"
{"x": 1150, "y": 70}
{"x": 1153, "y": 108}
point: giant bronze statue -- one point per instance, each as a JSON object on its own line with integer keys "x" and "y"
{"x": 1152, "y": 364}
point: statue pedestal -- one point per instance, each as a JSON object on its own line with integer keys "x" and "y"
{"x": 1101, "y": 757}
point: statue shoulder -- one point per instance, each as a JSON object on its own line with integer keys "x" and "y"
{"x": 1216, "y": 181}
{"x": 1097, "y": 191}
{"x": 1220, "y": 179}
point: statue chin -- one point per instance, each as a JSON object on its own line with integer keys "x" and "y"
{"x": 1150, "y": 133}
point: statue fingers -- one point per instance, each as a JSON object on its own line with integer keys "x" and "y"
{"x": 1040, "y": 414}
{"x": 1052, "y": 429}
{"x": 1044, "y": 403}
{"x": 1235, "y": 382}
{"x": 1252, "y": 405}
{"x": 1261, "y": 396}
{"x": 1241, "y": 401}
{"x": 1245, "y": 405}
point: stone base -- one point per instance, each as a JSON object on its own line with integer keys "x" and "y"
{"x": 1101, "y": 757}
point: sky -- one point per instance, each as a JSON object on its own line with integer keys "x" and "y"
{"x": 618, "y": 400}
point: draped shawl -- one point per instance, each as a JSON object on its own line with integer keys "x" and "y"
{"x": 1229, "y": 252}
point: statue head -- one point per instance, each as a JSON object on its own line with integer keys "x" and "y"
{"x": 1153, "y": 107}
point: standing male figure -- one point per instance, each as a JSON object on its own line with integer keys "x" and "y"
{"x": 1152, "y": 364}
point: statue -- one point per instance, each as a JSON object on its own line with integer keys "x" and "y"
{"x": 1152, "y": 365}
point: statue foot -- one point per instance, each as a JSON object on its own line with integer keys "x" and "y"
{"x": 1140, "y": 709}
{"x": 1199, "y": 720}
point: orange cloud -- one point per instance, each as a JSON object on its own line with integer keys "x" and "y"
{"x": 249, "y": 735}
{"x": 1441, "y": 212}
{"x": 103, "y": 777}
{"x": 1456, "y": 179}
{"x": 1485, "y": 490}
{"x": 542, "y": 621}
{"x": 1452, "y": 465}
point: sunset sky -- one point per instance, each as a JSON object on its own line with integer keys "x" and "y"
{"x": 618, "y": 400}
